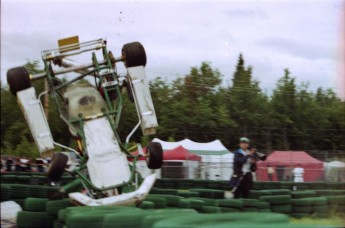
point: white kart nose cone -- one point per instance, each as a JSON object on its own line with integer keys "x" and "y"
{"x": 123, "y": 199}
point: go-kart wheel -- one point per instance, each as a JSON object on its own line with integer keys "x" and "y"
{"x": 129, "y": 90}
{"x": 57, "y": 166}
{"x": 134, "y": 54}
{"x": 18, "y": 79}
{"x": 154, "y": 157}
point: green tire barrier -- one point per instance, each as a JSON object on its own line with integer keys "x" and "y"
{"x": 64, "y": 213}
{"x": 183, "y": 203}
{"x": 207, "y": 202}
{"x": 229, "y": 209}
{"x": 301, "y": 209}
{"x": 303, "y": 194}
{"x": 164, "y": 191}
{"x": 87, "y": 219}
{"x": 277, "y": 199}
{"x": 320, "y": 209}
{"x": 209, "y": 193}
{"x": 35, "y": 204}
{"x": 301, "y": 202}
{"x": 158, "y": 201}
{"x": 53, "y": 207}
{"x": 23, "y": 179}
{"x": 8, "y": 179}
{"x": 123, "y": 220}
{"x": 157, "y": 215}
{"x": 282, "y": 208}
{"x": 279, "y": 191}
{"x": 264, "y": 210}
{"x": 196, "y": 204}
{"x": 214, "y": 185}
{"x": 5, "y": 192}
{"x": 19, "y": 191}
{"x": 249, "y": 209}
{"x": 232, "y": 203}
{"x": 235, "y": 218}
{"x": 255, "y": 194}
{"x": 210, "y": 209}
{"x": 188, "y": 194}
{"x": 336, "y": 200}
{"x": 171, "y": 200}
{"x": 263, "y": 205}
{"x": 147, "y": 205}
{"x": 249, "y": 202}
{"x": 317, "y": 201}
{"x": 58, "y": 224}
{"x": 28, "y": 219}
{"x": 316, "y": 186}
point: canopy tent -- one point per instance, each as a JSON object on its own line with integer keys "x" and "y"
{"x": 283, "y": 163}
{"x": 180, "y": 153}
{"x": 176, "y": 161}
{"x": 335, "y": 171}
{"x": 210, "y": 148}
{"x": 217, "y": 167}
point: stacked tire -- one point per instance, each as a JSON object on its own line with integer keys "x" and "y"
{"x": 278, "y": 203}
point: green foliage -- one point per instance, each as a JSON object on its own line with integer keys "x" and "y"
{"x": 198, "y": 107}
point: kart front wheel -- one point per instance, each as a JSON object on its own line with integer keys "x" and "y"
{"x": 57, "y": 166}
{"x": 18, "y": 79}
{"x": 134, "y": 54}
{"x": 154, "y": 157}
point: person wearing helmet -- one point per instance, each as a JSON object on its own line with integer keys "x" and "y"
{"x": 244, "y": 162}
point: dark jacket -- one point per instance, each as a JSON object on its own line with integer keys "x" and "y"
{"x": 239, "y": 160}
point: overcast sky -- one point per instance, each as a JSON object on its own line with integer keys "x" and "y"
{"x": 304, "y": 36}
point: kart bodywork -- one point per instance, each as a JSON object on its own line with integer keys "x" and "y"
{"x": 92, "y": 112}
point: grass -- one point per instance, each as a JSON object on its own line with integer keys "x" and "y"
{"x": 337, "y": 221}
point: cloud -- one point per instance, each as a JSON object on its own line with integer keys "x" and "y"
{"x": 297, "y": 48}
{"x": 245, "y": 13}
{"x": 177, "y": 35}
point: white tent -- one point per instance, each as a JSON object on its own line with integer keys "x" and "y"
{"x": 217, "y": 161}
{"x": 335, "y": 171}
{"x": 190, "y": 145}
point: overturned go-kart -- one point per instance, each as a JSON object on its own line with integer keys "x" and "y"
{"x": 92, "y": 112}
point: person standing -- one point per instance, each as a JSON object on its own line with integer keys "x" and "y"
{"x": 9, "y": 163}
{"x": 298, "y": 173}
{"x": 270, "y": 172}
{"x": 244, "y": 162}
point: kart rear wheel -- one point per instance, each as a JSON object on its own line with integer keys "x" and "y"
{"x": 134, "y": 54}
{"x": 18, "y": 79}
{"x": 57, "y": 166}
{"x": 155, "y": 155}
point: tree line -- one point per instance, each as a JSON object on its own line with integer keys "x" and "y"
{"x": 198, "y": 106}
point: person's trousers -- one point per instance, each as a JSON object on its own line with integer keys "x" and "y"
{"x": 298, "y": 179}
{"x": 270, "y": 176}
{"x": 244, "y": 187}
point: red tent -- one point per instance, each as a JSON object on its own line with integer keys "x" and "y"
{"x": 284, "y": 161}
{"x": 180, "y": 153}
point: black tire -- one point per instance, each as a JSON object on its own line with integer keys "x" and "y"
{"x": 18, "y": 79}
{"x": 134, "y": 54}
{"x": 155, "y": 155}
{"x": 57, "y": 166}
